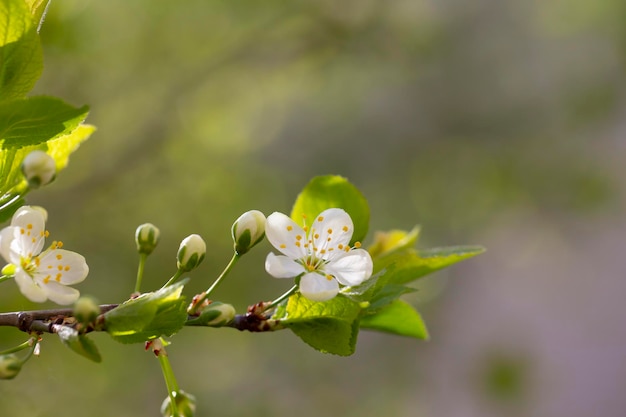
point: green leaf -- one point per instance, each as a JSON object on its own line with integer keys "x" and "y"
{"x": 393, "y": 241}
{"x": 38, "y": 9}
{"x": 398, "y": 318}
{"x": 332, "y": 191}
{"x": 36, "y": 123}
{"x": 331, "y": 326}
{"x": 21, "y": 58}
{"x": 151, "y": 315}
{"x": 410, "y": 264}
{"x": 35, "y": 120}
{"x": 79, "y": 343}
{"x": 386, "y": 295}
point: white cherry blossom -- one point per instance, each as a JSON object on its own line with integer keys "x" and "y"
{"x": 320, "y": 254}
{"x": 40, "y": 274}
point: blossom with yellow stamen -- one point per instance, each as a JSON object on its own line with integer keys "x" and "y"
{"x": 320, "y": 254}
{"x": 40, "y": 274}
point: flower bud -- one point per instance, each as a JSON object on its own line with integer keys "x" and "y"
{"x": 38, "y": 168}
{"x": 190, "y": 253}
{"x": 185, "y": 403}
{"x": 86, "y": 309}
{"x": 216, "y": 314}
{"x": 10, "y": 366}
{"x": 146, "y": 238}
{"x": 9, "y": 270}
{"x": 248, "y": 230}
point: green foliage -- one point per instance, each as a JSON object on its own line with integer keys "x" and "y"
{"x": 399, "y": 318}
{"x": 330, "y": 326}
{"x": 21, "y": 59}
{"x": 79, "y": 343}
{"x": 410, "y": 264}
{"x": 27, "y": 124}
{"x": 332, "y": 191}
{"x": 151, "y": 315}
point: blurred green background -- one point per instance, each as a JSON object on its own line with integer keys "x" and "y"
{"x": 487, "y": 122}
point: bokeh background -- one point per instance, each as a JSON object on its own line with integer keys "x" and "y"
{"x": 487, "y": 122}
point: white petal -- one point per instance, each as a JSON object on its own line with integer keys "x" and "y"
{"x": 6, "y": 238}
{"x": 63, "y": 266}
{"x": 332, "y": 228}
{"x": 353, "y": 268}
{"x": 285, "y": 235}
{"x": 280, "y": 266}
{"x": 28, "y": 287}
{"x": 32, "y": 226}
{"x": 61, "y": 294}
{"x": 317, "y": 287}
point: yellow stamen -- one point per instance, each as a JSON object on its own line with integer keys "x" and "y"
{"x": 357, "y": 244}
{"x": 59, "y": 256}
{"x": 58, "y": 277}
{"x": 289, "y": 228}
{"x": 345, "y": 228}
{"x": 283, "y": 246}
{"x": 320, "y": 219}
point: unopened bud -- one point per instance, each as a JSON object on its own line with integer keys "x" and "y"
{"x": 86, "y": 309}
{"x": 185, "y": 404}
{"x": 190, "y": 253}
{"x": 248, "y": 230}
{"x": 147, "y": 238}
{"x": 38, "y": 168}
{"x": 216, "y": 314}
{"x": 9, "y": 270}
{"x": 10, "y": 366}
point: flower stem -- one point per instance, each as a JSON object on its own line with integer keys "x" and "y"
{"x": 174, "y": 278}
{"x": 29, "y": 343}
{"x": 283, "y": 297}
{"x": 217, "y": 282}
{"x": 142, "y": 264}
{"x": 170, "y": 380}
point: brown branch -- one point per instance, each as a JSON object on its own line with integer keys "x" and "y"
{"x": 45, "y": 321}
{"x": 41, "y": 320}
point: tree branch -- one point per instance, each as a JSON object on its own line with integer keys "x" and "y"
{"x": 43, "y": 321}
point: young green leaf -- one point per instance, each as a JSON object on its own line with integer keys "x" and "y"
{"x": 159, "y": 313}
{"x": 386, "y": 243}
{"x": 398, "y": 318}
{"x": 35, "y": 120}
{"x": 21, "y": 58}
{"x": 410, "y": 264}
{"x": 43, "y": 123}
{"x": 332, "y": 191}
{"x": 79, "y": 343}
{"x": 330, "y": 326}
{"x": 38, "y": 9}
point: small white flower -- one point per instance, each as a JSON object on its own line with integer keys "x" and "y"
{"x": 320, "y": 254}
{"x": 40, "y": 275}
